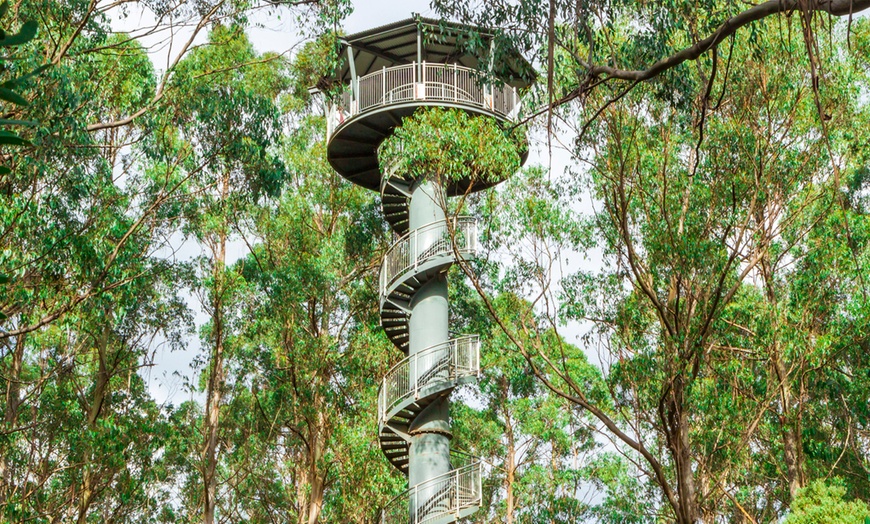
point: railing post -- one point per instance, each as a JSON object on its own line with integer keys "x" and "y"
{"x": 384, "y": 401}
{"x": 384, "y": 85}
{"x": 455, "y": 83}
{"x": 476, "y": 482}
{"x": 456, "y": 493}
{"x": 477, "y": 356}
{"x": 415, "y": 375}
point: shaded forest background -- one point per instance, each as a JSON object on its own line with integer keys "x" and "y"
{"x": 721, "y": 203}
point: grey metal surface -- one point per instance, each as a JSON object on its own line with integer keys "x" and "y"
{"x": 428, "y": 325}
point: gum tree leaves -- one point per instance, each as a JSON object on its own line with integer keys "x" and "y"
{"x": 452, "y": 145}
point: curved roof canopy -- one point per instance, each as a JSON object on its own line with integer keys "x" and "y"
{"x": 425, "y": 39}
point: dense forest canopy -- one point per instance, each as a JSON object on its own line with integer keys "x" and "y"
{"x": 709, "y": 239}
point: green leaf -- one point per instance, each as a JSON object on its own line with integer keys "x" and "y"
{"x": 4, "y": 170}
{"x": 4, "y": 8}
{"x": 12, "y": 122}
{"x": 26, "y": 34}
{"x": 16, "y": 82}
{"x": 12, "y": 139}
{"x": 13, "y": 97}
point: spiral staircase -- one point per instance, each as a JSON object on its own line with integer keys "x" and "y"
{"x": 430, "y": 374}
{"x": 387, "y": 74}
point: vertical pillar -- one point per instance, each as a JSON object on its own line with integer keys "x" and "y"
{"x": 429, "y": 454}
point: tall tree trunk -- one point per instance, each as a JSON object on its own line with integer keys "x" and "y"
{"x": 510, "y": 462}
{"x": 13, "y": 386}
{"x": 677, "y": 427}
{"x": 216, "y": 379}
{"x": 101, "y": 388}
{"x": 791, "y": 440}
{"x": 302, "y": 488}
{"x": 315, "y": 478}
{"x": 317, "y": 443}
{"x": 789, "y": 427}
{"x": 13, "y": 400}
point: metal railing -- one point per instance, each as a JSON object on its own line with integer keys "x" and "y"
{"x": 456, "y": 358}
{"x": 423, "y": 243}
{"x": 423, "y": 81}
{"x": 446, "y": 494}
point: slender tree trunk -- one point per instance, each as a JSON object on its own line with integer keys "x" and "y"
{"x": 791, "y": 441}
{"x": 216, "y": 379}
{"x": 315, "y": 478}
{"x": 13, "y": 386}
{"x": 302, "y": 488}
{"x": 677, "y": 426}
{"x": 789, "y": 427}
{"x": 317, "y": 443}
{"x": 101, "y": 388}
{"x": 510, "y": 463}
{"x": 13, "y": 400}
{"x": 213, "y": 401}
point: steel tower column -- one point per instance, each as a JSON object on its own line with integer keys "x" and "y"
{"x": 429, "y": 451}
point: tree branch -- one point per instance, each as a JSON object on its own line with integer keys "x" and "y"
{"x": 728, "y": 28}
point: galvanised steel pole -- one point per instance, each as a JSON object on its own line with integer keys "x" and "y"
{"x": 429, "y": 454}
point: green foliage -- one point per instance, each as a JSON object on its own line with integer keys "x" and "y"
{"x": 452, "y": 145}
{"x": 725, "y": 318}
{"x": 10, "y": 86}
{"x": 825, "y": 502}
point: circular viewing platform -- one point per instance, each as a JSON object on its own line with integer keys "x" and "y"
{"x": 361, "y": 118}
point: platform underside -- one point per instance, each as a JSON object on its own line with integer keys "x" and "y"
{"x": 353, "y": 147}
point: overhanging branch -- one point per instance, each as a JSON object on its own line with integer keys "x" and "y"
{"x": 728, "y": 28}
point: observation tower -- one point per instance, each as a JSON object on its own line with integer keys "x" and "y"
{"x": 386, "y": 74}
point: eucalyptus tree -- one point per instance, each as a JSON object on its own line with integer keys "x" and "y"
{"x": 85, "y": 295}
{"x": 311, "y": 352}
{"x": 300, "y": 438}
{"x": 775, "y": 170}
{"x": 89, "y": 208}
{"x": 537, "y": 448}
{"x": 93, "y": 104}
{"x": 220, "y": 129}
{"x": 711, "y": 195}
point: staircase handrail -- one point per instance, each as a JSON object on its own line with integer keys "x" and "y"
{"x": 405, "y": 253}
{"x": 465, "y": 481}
{"x": 402, "y": 381}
